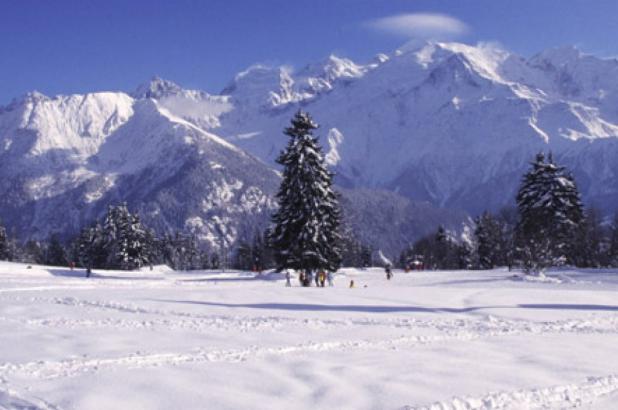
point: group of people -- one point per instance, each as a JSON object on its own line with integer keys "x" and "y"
{"x": 322, "y": 277}
{"x": 305, "y": 278}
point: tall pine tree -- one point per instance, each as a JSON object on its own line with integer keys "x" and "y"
{"x": 124, "y": 238}
{"x": 305, "y": 235}
{"x": 550, "y": 212}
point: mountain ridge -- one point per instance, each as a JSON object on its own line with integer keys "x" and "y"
{"x": 447, "y": 124}
{"x": 480, "y": 101}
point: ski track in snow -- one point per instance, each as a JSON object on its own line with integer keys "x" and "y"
{"x": 487, "y": 325}
{"x": 462, "y": 331}
{"x": 556, "y": 397}
{"x": 76, "y": 366}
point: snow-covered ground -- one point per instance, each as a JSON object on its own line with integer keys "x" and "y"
{"x": 430, "y": 340}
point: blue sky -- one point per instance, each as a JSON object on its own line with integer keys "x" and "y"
{"x": 78, "y": 46}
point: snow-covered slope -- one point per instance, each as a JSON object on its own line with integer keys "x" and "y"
{"x": 445, "y": 122}
{"x": 159, "y": 339}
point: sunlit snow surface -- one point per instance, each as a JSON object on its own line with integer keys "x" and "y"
{"x": 436, "y": 340}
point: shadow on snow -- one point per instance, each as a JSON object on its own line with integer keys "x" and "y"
{"x": 390, "y": 309}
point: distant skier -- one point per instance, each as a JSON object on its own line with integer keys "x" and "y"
{"x": 387, "y": 265}
{"x": 301, "y": 278}
{"x": 308, "y": 278}
{"x": 351, "y": 283}
{"x": 322, "y": 277}
{"x": 287, "y": 279}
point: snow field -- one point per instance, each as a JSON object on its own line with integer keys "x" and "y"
{"x": 425, "y": 340}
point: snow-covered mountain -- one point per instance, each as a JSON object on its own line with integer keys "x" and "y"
{"x": 447, "y": 123}
{"x": 444, "y": 122}
{"x": 64, "y": 159}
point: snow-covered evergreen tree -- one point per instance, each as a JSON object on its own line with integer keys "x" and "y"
{"x": 136, "y": 254}
{"x": 124, "y": 238}
{"x": 305, "y": 235}
{"x": 550, "y": 212}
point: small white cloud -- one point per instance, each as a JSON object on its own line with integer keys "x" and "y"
{"x": 420, "y": 25}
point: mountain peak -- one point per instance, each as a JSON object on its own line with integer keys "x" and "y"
{"x": 156, "y": 88}
{"x": 257, "y": 75}
{"x": 414, "y": 46}
{"x": 262, "y": 85}
{"x": 32, "y": 97}
{"x": 332, "y": 68}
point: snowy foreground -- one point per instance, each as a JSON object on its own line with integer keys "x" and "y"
{"x": 433, "y": 340}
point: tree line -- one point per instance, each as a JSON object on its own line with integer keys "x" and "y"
{"x": 548, "y": 227}
{"x": 116, "y": 243}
